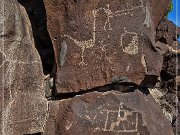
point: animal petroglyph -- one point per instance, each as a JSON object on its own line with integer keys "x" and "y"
{"x": 87, "y": 43}
{"x": 120, "y": 120}
{"x": 129, "y": 10}
{"x": 132, "y": 47}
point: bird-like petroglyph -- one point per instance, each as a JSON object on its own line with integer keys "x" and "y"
{"x": 132, "y": 47}
{"x": 129, "y": 9}
{"x": 87, "y": 43}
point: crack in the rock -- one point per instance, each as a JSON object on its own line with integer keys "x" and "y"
{"x": 123, "y": 87}
{"x": 37, "y": 16}
{"x": 34, "y": 134}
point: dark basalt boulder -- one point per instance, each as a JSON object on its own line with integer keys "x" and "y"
{"x": 96, "y": 41}
{"x": 108, "y": 113}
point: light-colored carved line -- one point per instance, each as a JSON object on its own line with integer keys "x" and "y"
{"x": 108, "y": 13}
{"x": 3, "y": 58}
{"x": 69, "y": 125}
{"x": 94, "y": 118}
{"x": 147, "y": 20}
{"x": 105, "y": 125}
{"x": 137, "y": 121}
{"x": 23, "y": 120}
{"x": 127, "y": 113}
{"x": 94, "y": 25}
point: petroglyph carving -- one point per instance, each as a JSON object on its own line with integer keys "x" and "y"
{"x": 2, "y": 57}
{"x": 87, "y": 43}
{"x": 69, "y": 125}
{"x": 147, "y": 20}
{"x": 132, "y": 47}
{"x": 120, "y": 120}
{"x": 128, "y": 67}
{"x": 104, "y": 48}
{"x": 129, "y": 10}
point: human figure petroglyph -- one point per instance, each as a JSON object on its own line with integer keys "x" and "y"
{"x": 132, "y": 47}
{"x": 129, "y": 10}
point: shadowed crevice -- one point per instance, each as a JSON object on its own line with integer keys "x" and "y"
{"x": 37, "y": 15}
{"x": 124, "y": 87}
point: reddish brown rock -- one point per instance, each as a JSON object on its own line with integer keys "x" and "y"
{"x": 24, "y": 107}
{"x": 108, "y": 113}
{"x": 98, "y": 41}
{"x": 167, "y": 32}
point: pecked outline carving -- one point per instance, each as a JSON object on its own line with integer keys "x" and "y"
{"x": 132, "y": 48}
{"x": 119, "y": 119}
{"x": 129, "y": 10}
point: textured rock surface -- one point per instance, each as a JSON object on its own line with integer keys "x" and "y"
{"x": 167, "y": 32}
{"x": 95, "y": 44}
{"x": 170, "y": 65}
{"x": 114, "y": 59}
{"x": 24, "y": 104}
{"x": 109, "y": 113}
{"x": 176, "y": 125}
{"x": 173, "y": 85}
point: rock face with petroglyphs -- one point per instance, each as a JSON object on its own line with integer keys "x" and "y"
{"x": 103, "y": 40}
{"x": 97, "y": 67}
{"x": 24, "y": 106}
{"x": 109, "y": 113}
